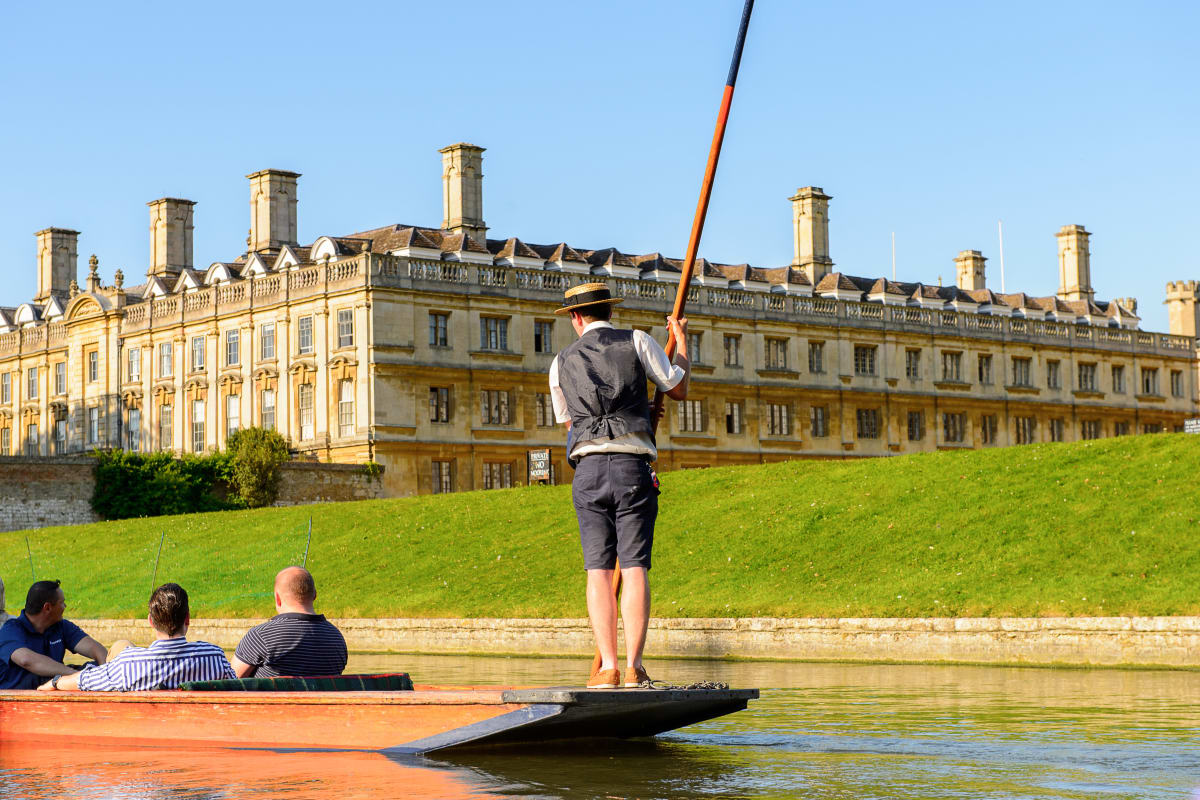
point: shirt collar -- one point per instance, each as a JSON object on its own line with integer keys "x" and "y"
{"x": 173, "y": 641}
{"x": 600, "y": 323}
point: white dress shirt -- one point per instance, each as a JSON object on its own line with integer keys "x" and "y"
{"x": 661, "y": 372}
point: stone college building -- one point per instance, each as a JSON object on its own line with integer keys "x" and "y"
{"x": 426, "y": 349}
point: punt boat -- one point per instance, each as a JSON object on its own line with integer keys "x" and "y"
{"x": 416, "y": 720}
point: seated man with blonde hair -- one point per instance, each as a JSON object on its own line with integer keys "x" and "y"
{"x": 169, "y": 661}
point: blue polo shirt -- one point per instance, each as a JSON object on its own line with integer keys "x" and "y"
{"x": 53, "y": 643}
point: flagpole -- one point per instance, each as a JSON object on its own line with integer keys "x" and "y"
{"x": 689, "y": 261}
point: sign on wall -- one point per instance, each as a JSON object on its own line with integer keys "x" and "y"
{"x": 1191, "y": 425}
{"x": 539, "y": 465}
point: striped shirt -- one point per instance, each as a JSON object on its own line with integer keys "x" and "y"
{"x": 163, "y": 665}
{"x": 293, "y": 644}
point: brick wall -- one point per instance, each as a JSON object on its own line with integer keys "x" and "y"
{"x": 40, "y": 492}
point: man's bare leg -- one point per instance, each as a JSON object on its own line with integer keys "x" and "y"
{"x": 635, "y": 612}
{"x": 602, "y": 610}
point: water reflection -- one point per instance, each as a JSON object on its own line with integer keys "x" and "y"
{"x": 821, "y": 731}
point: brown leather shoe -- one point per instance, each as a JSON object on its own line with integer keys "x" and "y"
{"x": 605, "y": 679}
{"x": 635, "y": 677}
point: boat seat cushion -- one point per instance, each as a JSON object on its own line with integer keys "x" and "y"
{"x": 392, "y": 682}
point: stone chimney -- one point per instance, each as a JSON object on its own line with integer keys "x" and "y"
{"x": 462, "y": 191}
{"x": 810, "y": 222}
{"x": 1183, "y": 308}
{"x": 272, "y": 209}
{"x": 57, "y": 262}
{"x": 170, "y": 236}
{"x": 1074, "y": 264}
{"x": 969, "y": 265}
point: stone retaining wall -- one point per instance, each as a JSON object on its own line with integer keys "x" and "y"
{"x": 303, "y": 482}
{"x": 1108, "y": 641}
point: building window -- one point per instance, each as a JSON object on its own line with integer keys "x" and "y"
{"x": 733, "y": 350}
{"x": 165, "y": 368}
{"x": 60, "y": 435}
{"x": 345, "y": 408}
{"x": 985, "y": 370}
{"x": 1152, "y": 427}
{"x": 778, "y": 420}
{"x": 166, "y": 427}
{"x": 31, "y": 383}
{"x": 1087, "y": 377}
{"x": 1056, "y": 430}
{"x": 1089, "y": 429}
{"x": 93, "y": 426}
{"x": 497, "y": 475}
{"x": 93, "y": 366}
{"x": 1022, "y": 372}
{"x": 266, "y": 341}
{"x": 439, "y": 325}
{"x": 197, "y": 426}
{"x": 776, "y": 353}
{"x": 691, "y": 416}
{"x": 912, "y": 364}
{"x": 544, "y": 410}
{"x": 5, "y": 441}
{"x": 494, "y": 407}
{"x": 304, "y": 335}
{"x": 543, "y": 339}
{"x": 733, "y": 417}
{"x": 197, "y": 353}
{"x": 952, "y": 367}
{"x": 864, "y": 359}
{"x": 233, "y": 413}
{"x": 60, "y": 377}
{"x": 1149, "y": 380}
{"x": 694, "y": 352}
{"x": 1120, "y": 429}
{"x": 493, "y": 333}
{"x": 1026, "y": 430}
{"x": 439, "y": 404}
{"x": 345, "y": 327}
{"x": 6, "y": 388}
{"x": 233, "y": 355}
{"x": 133, "y": 430}
{"x": 1176, "y": 383}
{"x": 816, "y": 357}
{"x": 988, "y": 426}
{"x": 31, "y": 439}
{"x": 1118, "y": 379}
{"x": 133, "y": 367}
{"x": 954, "y": 427}
{"x": 304, "y": 402}
{"x": 443, "y": 477}
{"x": 916, "y": 426}
{"x": 268, "y": 409}
{"x": 1053, "y": 379}
{"x": 868, "y": 423}
{"x": 819, "y": 417}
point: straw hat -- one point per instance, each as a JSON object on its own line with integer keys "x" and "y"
{"x": 586, "y": 294}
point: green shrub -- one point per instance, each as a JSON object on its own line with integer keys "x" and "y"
{"x": 152, "y": 484}
{"x": 255, "y": 455}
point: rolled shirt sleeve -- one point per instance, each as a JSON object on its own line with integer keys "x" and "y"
{"x": 557, "y": 398}
{"x": 659, "y": 369}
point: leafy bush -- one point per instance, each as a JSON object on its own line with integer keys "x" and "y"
{"x": 151, "y": 484}
{"x": 255, "y": 455}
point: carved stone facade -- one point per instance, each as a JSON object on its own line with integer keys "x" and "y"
{"x": 426, "y": 349}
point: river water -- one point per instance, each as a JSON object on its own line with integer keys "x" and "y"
{"x": 820, "y": 731}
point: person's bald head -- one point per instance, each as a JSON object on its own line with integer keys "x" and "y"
{"x": 294, "y": 588}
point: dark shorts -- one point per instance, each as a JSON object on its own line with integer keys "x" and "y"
{"x": 616, "y": 503}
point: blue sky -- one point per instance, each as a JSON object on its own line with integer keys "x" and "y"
{"x": 929, "y": 120}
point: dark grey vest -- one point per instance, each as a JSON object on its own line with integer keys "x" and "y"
{"x": 604, "y": 384}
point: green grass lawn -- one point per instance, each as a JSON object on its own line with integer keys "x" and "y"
{"x": 1108, "y": 527}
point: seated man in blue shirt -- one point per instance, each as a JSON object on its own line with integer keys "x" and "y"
{"x": 32, "y": 645}
{"x": 169, "y": 660}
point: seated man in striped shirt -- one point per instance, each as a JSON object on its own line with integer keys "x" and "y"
{"x": 297, "y": 641}
{"x": 169, "y": 661}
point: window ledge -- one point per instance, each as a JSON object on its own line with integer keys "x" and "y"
{"x": 701, "y": 369}
{"x": 1088, "y": 393}
{"x": 778, "y": 372}
{"x": 957, "y": 386}
{"x": 1150, "y": 398}
{"x": 497, "y": 355}
{"x": 1022, "y": 389}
